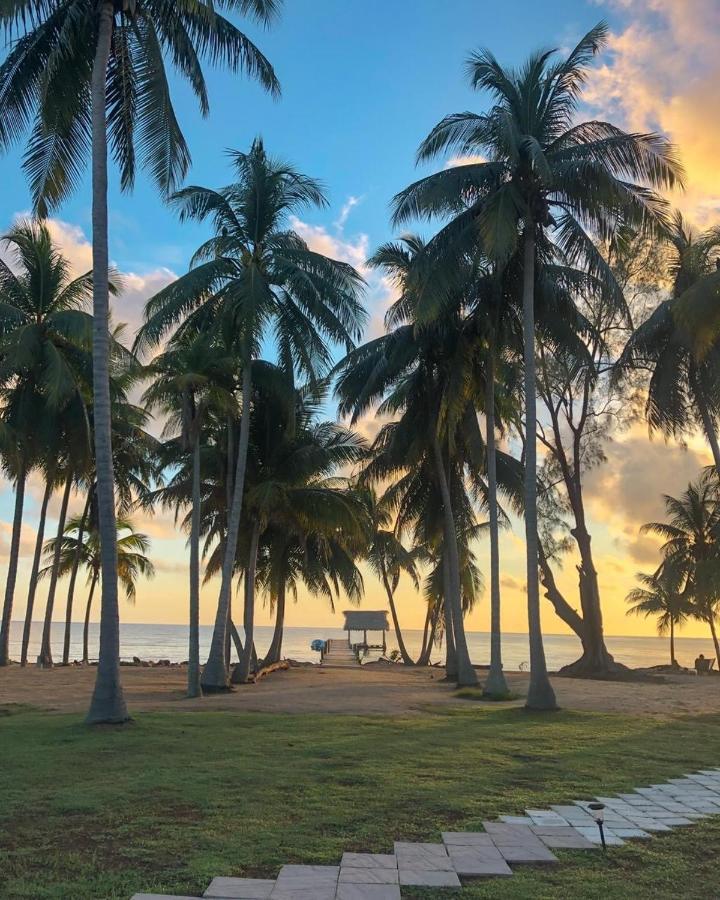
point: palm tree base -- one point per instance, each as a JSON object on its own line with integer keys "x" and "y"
{"x": 587, "y": 664}
{"x": 496, "y": 687}
{"x": 108, "y": 710}
{"x": 541, "y": 697}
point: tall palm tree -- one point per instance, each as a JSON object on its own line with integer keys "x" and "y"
{"x": 423, "y": 376}
{"x": 79, "y": 75}
{"x": 256, "y": 278}
{"x": 542, "y": 172}
{"x": 660, "y": 596}
{"x": 684, "y": 383}
{"x": 692, "y": 548}
{"x": 45, "y": 374}
{"x": 13, "y": 459}
{"x": 189, "y": 377}
{"x": 84, "y": 540}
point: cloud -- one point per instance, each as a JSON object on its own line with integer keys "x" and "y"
{"x": 347, "y": 208}
{"x": 465, "y": 160}
{"x": 319, "y": 239}
{"x": 662, "y": 73}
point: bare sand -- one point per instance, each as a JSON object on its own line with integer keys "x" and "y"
{"x": 371, "y": 690}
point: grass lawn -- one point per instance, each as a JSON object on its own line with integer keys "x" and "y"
{"x": 177, "y": 798}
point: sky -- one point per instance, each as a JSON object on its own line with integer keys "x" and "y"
{"x": 362, "y": 84}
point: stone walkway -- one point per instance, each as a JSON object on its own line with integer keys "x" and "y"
{"x": 513, "y": 840}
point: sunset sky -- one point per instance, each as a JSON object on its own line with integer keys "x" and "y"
{"x": 363, "y": 83}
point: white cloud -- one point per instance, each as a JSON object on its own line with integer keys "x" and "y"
{"x": 661, "y": 72}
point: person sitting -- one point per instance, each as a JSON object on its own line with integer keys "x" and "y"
{"x": 703, "y": 666}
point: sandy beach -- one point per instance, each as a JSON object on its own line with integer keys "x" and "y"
{"x": 372, "y": 690}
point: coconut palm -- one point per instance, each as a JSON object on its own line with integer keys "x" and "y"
{"x": 45, "y": 375}
{"x": 188, "y": 378}
{"x": 79, "y": 76}
{"x": 541, "y": 171}
{"x": 424, "y": 376}
{"x": 684, "y": 383}
{"x": 84, "y": 539}
{"x": 389, "y": 559}
{"x": 256, "y": 278}
{"x": 692, "y": 549}
{"x": 660, "y": 596}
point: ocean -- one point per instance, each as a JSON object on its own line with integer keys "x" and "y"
{"x": 152, "y": 642}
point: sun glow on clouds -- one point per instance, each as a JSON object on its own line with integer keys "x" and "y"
{"x": 662, "y": 73}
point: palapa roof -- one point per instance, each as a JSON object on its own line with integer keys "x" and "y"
{"x": 366, "y": 620}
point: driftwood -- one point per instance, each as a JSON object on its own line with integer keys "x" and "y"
{"x": 267, "y": 670}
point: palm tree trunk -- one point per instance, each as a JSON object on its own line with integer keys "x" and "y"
{"x": 45, "y": 659}
{"x": 713, "y": 632}
{"x": 431, "y": 620}
{"x": 706, "y": 418}
{"x": 35, "y": 569}
{"x": 495, "y": 685}
{"x": 426, "y": 632}
{"x": 215, "y": 674}
{"x": 193, "y": 687}
{"x": 236, "y": 640}
{"x": 73, "y": 579}
{"x": 12, "y": 568}
{"x": 86, "y": 627}
{"x": 450, "y": 651}
{"x": 274, "y": 653}
{"x": 108, "y": 703}
{"x": 672, "y": 642}
{"x": 466, "y": 674}
{"x": 540, "y": 693}
{"x": 242, "y": 670}
{"x": 406, "y": 658}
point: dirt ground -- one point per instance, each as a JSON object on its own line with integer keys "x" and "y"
{"x": 370, "y": 690}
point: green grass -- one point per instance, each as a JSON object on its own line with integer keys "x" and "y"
{"x": 177, "y": 798}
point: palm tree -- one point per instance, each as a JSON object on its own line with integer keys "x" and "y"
{"x": 542, "y": 171}
{"x": 45, "y": 374}
{"x": 84, "y": 540}
{"x": 253, "y": 278}
{"x": 188, "y": 378}
{"x": 388, "y": 559}
{"x": 15, "y": 465}
{"x": 424, "y": 376}
{"x": 660, "y": 596}
{"x": 691, "y": 548}
{"x": 83, "y": 75}
{"x": 684, "y": 380}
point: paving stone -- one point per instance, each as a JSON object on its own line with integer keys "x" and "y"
{"x": 422, "y": 856}
{"x": 161, "y": 897}
{"x": 593, "y": 835}
{"x": 518, "y": 843}
{"x": 369, "y": 860}
{"x": 545, "y": 817}
{"x": 638, "y": 833}
{"x": 365, "y": 875}
{"x": 516, "y": 820}
{"x": 650, "y": 824}
{"x": 466, "y": 839}
{"x": 368, "y": 892}
{"x": 674, "y": 821}
{"x": 559, "y": 838}
{"x": 240, "y": 888}
{"x": 429, "y": 878}
{"x": 306, "y": 883}
{"x": 574, "y": 815}
{"x": 477, "y": 862}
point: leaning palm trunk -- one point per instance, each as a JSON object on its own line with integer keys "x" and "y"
{"x": 45, "y": 659}
{"x": 540, "y": 692}
{"x": 73, "y": 579}
{"x": 12, "y": 568}
{"x": 713, "y": 632}
{"x": 274, "y": 653}
{"x": 705, "y": 417}
{"x": 34, "y": 572}
{"x": 466, "y": 674}
{"x": 86, "y": 625}
{"x": 242, "y": 670}
{"x": 406, "y": 658}
{"x": 673, "y": 663}
{"x": 495, "y": 685}
{"x": 193, "y": 686}
{"x": 108, "y": 703}
{"x": 450, "y": 652}
{"x": 215, "y": 673}
{"x": 431, "y": 621}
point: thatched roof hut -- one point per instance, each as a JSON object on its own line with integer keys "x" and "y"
{"x": 366, "y": 620}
